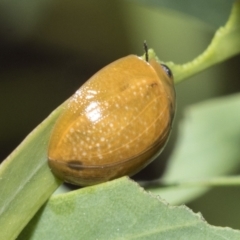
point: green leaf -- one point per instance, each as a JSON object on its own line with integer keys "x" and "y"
{"x": 208, "y": 146}
{"x": 225, "y": 44}
{"x": 119, "y": 209}
{"x": 26, "y": 181}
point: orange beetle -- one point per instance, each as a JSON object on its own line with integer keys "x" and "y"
{"x": 115, "y": 124}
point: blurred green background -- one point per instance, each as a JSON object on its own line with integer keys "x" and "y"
{"x": 50, "y": 48}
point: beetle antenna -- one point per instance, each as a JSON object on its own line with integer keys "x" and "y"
{"x": 146, "y": 50}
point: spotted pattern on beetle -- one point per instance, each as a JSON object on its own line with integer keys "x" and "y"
{"x": 122, "y": 114}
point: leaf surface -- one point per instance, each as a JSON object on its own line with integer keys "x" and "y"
{"x": 119, "y": 209}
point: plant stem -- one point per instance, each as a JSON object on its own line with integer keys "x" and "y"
{"x": 211, "y": 182}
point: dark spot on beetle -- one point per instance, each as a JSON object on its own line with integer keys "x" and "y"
{"x": 75, "y": 165}
{"x": 124, "y": 87}
{"x": 154, "y": 84}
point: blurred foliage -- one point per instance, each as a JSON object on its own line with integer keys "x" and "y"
{"x": 198, "y": 9}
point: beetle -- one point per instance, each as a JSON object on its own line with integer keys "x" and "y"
{"x": 116, "y": 123}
